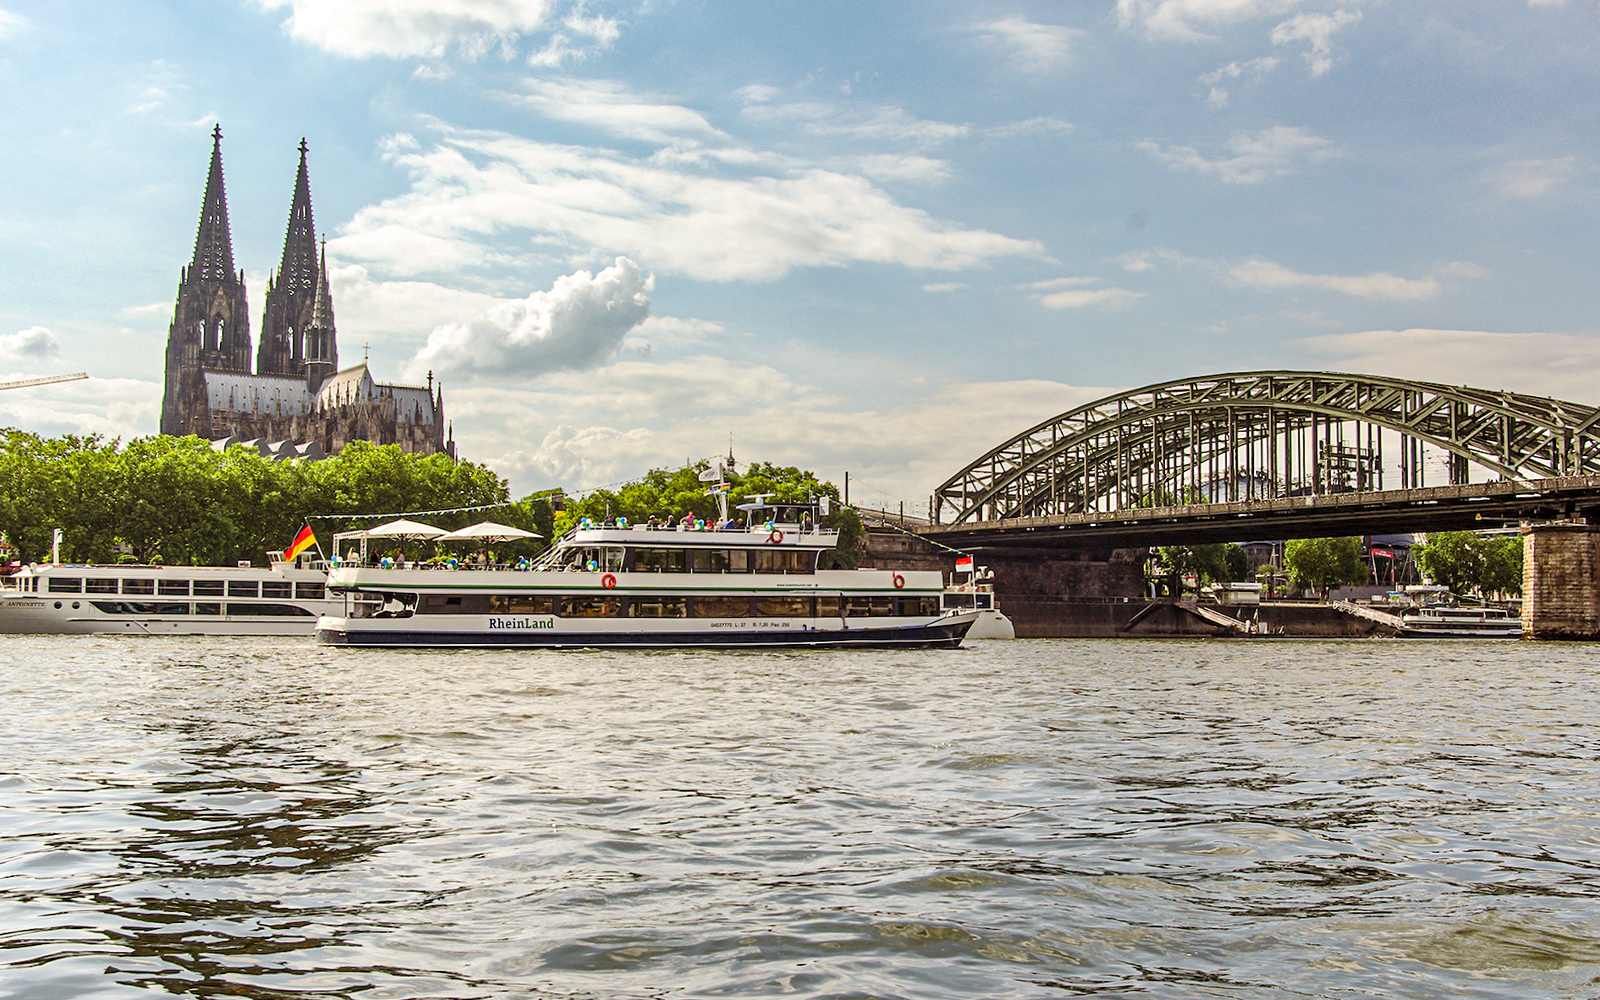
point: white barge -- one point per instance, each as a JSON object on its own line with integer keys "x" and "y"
{"x": 1447, "y": 622}
{"x": 639, "y": 586}
{"x": 125, "y": 599}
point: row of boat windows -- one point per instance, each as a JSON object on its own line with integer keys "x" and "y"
{"x": 765, "y": 606}
{"x": 183, "y": 588}
{"x": 615, "y": 559}
{"x": 199, "y": 608}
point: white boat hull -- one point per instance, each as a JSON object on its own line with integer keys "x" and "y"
{"x": 992, "y": 624}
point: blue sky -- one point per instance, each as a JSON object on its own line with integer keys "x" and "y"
{"x": 858, "y": 236}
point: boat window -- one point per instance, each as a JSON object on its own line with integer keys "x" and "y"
{"x": 176, "y": 588}
{"x": 457, "y": 604}
{"x": 284, "y": 610}
{"x": 244, "y": 588}
{"x": 141, "y": 608}
{"x": 828, "y": 607}
{"x": 274, "y": 589}
{"x": 611, "y": 559}
{"x": 658, "y": 560}
{"x": 658, "y": 607}
{"x": 522, "y": 604}
{"x": 591, "y": 607}
{"x": 307, "y": 591}
{"x": 208, "y": 609}
{"x": 863, "y": 606}
{"x": 93, "y": 586}
{"x": 959, "y": 600}
{"x": 985, "y": 600}
{"x": 699, "y": 560}
{"x": 722, "y": 607}
{"x": 738, "y": 561}
{"x": 208, "y": 588}
{"x": 782, "y": 560}
{"x": 66, "y": 584}
{"x": 784, "y": 605}
{"x": 922, "y": 607}
{"x": 138, "y": 586}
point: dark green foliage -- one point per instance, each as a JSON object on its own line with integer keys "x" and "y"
{"x": 1320, "y": 564}
{"x": 664, "y": 493}
{"x": 1221, "y": 562}
{"x": 178, "y": 501}
{"x": 1468, "y": 562}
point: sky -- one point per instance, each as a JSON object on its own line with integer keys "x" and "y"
{"x": 875, "y": 238}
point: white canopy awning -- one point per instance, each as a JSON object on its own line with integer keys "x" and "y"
{"x": 404, "y": 529}
{"x": 487, "y": 531}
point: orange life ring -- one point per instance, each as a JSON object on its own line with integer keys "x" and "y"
{"x": 608, "y": 581}
{"x": 776, "y": 536}
{"x": 899, "y": 581}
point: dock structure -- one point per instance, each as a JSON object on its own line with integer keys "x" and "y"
{"x": 1370, "y": 614}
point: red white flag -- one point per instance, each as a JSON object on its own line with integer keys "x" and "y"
{"x": 964, "y": 564}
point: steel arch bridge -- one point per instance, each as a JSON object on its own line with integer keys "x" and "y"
{"x": 1265, "y": 435}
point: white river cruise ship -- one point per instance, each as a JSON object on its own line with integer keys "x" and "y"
{"x": 125, "y": 599}
{"x": 622, "y": 585}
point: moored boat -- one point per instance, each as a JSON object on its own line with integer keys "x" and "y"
{"x": 285, "y": 598}
{"x": 1447, "y": 622}
{"x": 971, "y": 589}
{"x": 623, "y": 585}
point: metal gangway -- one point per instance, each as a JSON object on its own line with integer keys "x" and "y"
{"x": 1370, "y": 614}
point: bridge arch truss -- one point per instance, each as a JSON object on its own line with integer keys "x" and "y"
{"x": 1267, "y": 434}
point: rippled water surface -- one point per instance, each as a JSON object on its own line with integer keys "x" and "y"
{"x": 270, "y": 819}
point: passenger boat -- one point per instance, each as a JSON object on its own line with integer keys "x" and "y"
{"x": 970, "y": 590}
{"x": 641, "y": 586}
{"x": 1446, "y": 622}
{"x": 125, "y": 599}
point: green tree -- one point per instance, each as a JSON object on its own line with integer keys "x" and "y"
{"x": 1219, "y": 562}
{"x": 1467, "y": 562}
{"x": 1320, "y": 564}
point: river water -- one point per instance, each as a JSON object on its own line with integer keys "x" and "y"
{"x": 1245, "y": 819}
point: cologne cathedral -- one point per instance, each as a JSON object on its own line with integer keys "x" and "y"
{"x": 298, "y": 401}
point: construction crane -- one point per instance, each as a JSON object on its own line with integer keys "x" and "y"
{"x": 43, "y": 381}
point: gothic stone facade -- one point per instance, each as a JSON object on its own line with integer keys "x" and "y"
{"x": 297, "y": 392}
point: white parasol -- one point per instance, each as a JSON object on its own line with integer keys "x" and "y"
{"x": 487, "y": 531}
{"x": 404, "y": 529}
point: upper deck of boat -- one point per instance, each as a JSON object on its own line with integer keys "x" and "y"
{"x": 644, "y": 535}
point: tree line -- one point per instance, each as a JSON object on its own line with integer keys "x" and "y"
{"x": 179, "y": 501}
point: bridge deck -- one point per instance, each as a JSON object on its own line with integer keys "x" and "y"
{"x": 1434, "y": 508}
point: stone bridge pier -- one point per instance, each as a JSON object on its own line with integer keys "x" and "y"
{"x": 1561, "y": 580}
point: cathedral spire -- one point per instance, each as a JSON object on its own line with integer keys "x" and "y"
{"x": 213, "y": 244}
{"x": 290, "y": 300}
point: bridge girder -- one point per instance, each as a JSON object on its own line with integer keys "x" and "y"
{"x": 1262, "y": 435}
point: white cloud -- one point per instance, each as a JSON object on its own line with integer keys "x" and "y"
{"x": 944, "y": 286}
{"x": 901, "y": 167}
{"x": 579, "y": 324}
{"x": 611, "y": 107}
{"x": 367, "y": 308}
{"x": 1265, "y": 275}
{"x": 1051, "y": 284}
{"x": 1184, "y": 20}
{"x": 1562, "y": 365}
{"x": 1253, "y": 157}
{"x": 10, "y": 22}
{"x": 601, "y": 33}
{"x": 148, "y": 309}
{"x": 475, "y": 185}
{"x": 1081, "y": 298}
{"x": 1534, "y": 178}
{"x": 34, "y": 342}
{"x": 676, "y": 331}
{"x": 1034, "y": 48}
{"x": 412, "y": 27}
{"x": 1317, "y": 30}
{"x": 113, "y": 407}
{"x": 582, "y": 430}
{"x": 1255, "y": 69}
{"x": 885, "y": 123}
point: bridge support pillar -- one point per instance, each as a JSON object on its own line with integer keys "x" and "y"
{"x": 1561, "y": 581}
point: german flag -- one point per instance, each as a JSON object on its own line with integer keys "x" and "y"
{"x": 301, "y": 542}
